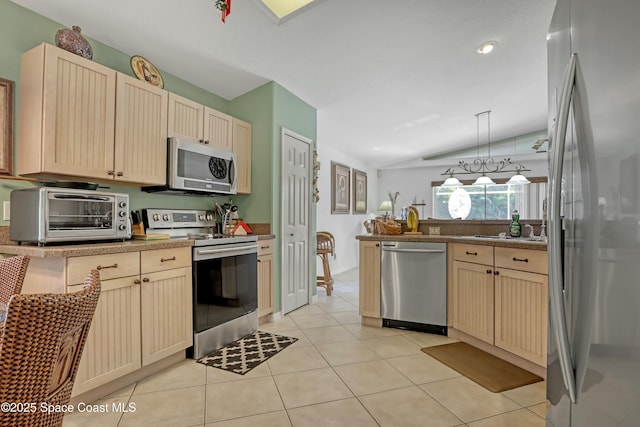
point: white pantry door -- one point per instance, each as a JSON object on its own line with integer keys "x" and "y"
{"x": 296, "y": 217}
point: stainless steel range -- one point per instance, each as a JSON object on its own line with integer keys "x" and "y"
{"x": 225, "y": 286}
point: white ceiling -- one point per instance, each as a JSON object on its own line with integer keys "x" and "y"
{"x": 391, "y": 80}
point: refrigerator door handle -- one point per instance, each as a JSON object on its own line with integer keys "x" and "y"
{"x": 556, "y": 299}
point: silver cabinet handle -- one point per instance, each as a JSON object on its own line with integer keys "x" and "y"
{"x": 426, "y": 251}
{"x": 556, "y": 285}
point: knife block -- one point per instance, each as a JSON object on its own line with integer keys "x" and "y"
{"x": 137, "y": 229}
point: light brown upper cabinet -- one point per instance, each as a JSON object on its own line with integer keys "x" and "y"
{"x": 242, "y": 148}
{"x": 191, "y": 120}
{"x": 141, "y": 132}
{"x": 70, "y": 126}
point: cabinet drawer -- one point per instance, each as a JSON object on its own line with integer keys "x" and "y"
{"x": 522, "y": 259}
{"x": 265, "y": 247}
{"x": 164, "y": 259}
{"x": 110, "y": 266}
{"x": 477, "y": 254}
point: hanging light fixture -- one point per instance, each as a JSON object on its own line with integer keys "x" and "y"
{"x": 518, "y": 178}
{"x": 452, "y": 181}
{"x": 486, "y": 165}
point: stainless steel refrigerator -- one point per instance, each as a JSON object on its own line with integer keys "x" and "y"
{"x": 593, "y": 366}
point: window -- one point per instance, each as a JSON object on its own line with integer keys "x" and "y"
{"x": 490, "y": 202}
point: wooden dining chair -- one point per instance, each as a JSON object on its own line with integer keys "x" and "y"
{"x": 12, "y": 272}
{"x": 325, "y": 247}
{"x": 40, "y": 348}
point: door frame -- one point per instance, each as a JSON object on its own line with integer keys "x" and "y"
{"x": 312, "y": 249}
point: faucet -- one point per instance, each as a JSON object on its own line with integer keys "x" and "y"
{"x": 530, "y": 227}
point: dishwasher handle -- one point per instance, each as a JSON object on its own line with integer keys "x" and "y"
{"x": 429, "y": 251}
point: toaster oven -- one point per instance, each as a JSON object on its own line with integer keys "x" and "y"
{"x": 50, "y": 215}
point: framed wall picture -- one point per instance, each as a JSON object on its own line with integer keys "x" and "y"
{"x": 359, "y": 192}
{"x": 6, "y": 127}
{"x": 340, "y": 185}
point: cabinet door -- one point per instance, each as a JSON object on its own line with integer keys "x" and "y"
{"x": 265, "y": 284}
{"x": 473, "y": 299}
{"x": 218, "y": 129}
{"x": 521, "y": 314}
{"x": 242, "y": 148}
{"x": 68, "y": 114}
{"x": 166, "y": 313}
{"x": 113, "y": 343}
{"x": 141, "y": 132}
{"x": 369, "y": 270}
{"x": 185, "y": 118}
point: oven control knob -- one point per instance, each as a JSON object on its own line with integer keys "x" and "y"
{"x": 122, "y": 204}
{"x": 122, "y": 214}
{"x": 209, "y": 217}
{"x": 156, "y": 217}
{"x": 201, "y": 217}
{"x": 165, "y": 217}
{"x": 122, "y": 227}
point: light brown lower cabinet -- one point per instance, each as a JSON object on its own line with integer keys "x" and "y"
{"x": 144, "y": 313}
{"x": 165, "y": 313}
{"x": 502, "y": 302}
{"x": 474, "y": 299}
{"x": 112, "y": 349}
{"x": 265, "y": 277}
{"x": 369, "y": 271}
{"x": 521, "y": 314}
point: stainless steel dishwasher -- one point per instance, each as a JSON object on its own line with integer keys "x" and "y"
{"x": 414, "y": 286}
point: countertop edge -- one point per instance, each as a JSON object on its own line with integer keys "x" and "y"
{"x": 92, "y": 248}
{"x": 506, "y": 243}
{"x": 73, "y": 250}
{"x": 265, "y": 236}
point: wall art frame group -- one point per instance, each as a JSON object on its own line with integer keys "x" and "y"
{"x": 6, "y": 126}
{"x": 348, "y": 195}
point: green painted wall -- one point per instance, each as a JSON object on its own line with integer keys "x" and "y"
{"x": 268, "y": 108}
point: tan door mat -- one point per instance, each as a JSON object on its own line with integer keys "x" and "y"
{"x": 489, "y": 371}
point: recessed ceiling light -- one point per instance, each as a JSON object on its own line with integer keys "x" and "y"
{"x": 487, "y": 47}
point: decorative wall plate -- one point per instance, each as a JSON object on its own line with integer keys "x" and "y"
{"x": 144, "y": 70}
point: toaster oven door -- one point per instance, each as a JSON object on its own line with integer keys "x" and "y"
{"x": 76, "y": 215}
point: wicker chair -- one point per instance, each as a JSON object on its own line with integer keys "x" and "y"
{"x": 12, "y": 272}
{"x": 325, "y": 247}
{"x": 40, "y": 348}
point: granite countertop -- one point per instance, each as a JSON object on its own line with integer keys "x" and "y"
{"x": 70, "y": 250}
{"x": 83, "y": 249}
{"x": 507, "y": 243}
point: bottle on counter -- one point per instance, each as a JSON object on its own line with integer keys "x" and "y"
{"x": 515, "y": 229}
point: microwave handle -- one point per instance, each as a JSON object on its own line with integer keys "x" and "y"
{"x": 79, "y": 197}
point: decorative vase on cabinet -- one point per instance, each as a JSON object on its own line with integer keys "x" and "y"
{"x": 71, "y": 40}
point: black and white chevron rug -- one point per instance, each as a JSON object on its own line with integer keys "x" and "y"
{"x": 243, "y": 355}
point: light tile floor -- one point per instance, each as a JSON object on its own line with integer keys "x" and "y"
{"x": 339, "y": 373}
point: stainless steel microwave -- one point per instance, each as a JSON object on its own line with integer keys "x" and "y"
{"x": 52, "y": 215}
{"x": 197, "y": 168}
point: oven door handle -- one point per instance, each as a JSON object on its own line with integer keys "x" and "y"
{"x": 201, "y": 254}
